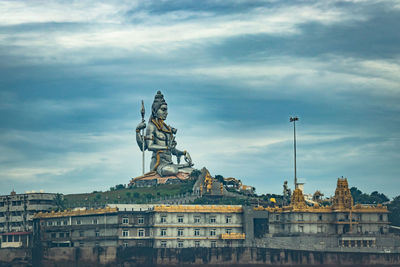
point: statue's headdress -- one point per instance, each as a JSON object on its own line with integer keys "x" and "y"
{"x": 158, "y": 101}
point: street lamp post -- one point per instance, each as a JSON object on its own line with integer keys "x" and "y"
{"x": 294, "y": 119}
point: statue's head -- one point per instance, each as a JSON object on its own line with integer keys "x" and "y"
{"x": 159, "y": 109}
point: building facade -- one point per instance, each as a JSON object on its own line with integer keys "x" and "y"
{"x": 16, "y": 216}
{"x": 356, "y": 225}
{"x": 163, "y": 226}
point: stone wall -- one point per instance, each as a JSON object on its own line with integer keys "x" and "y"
{"x": 131, "y": 256}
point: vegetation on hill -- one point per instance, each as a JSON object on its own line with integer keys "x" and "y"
{"x": 394, "y": 209}
{"x": 363, "y": 198}
{"x": 120, "y": 194}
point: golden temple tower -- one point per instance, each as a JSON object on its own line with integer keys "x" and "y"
{"x": 342, "y": 198}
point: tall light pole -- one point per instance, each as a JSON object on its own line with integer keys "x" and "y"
{"x": 294, "y": 119}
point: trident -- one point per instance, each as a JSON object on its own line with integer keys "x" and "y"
{"x": 142, "y": 111}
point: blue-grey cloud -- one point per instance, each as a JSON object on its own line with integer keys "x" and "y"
{"x": 232, "y": 74}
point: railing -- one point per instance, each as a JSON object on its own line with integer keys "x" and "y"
{"x": 233, "y": 236}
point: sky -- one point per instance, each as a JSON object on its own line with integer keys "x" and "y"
{"x": 73, "y": 74}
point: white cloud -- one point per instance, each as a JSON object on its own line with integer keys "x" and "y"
{"x": 158, "y": 34}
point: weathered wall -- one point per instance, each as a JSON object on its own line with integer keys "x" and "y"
{"x": 15, "y": 256}
{"x": 134, "y": 257}
{"x": 206, "y": 256}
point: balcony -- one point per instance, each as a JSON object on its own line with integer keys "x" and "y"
{"x": 233, "y": 236}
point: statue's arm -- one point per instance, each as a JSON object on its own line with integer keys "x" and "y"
{"x": 151, "y": 139}
{"x": 177, "y": 152}
{"x": 139, "y": 140}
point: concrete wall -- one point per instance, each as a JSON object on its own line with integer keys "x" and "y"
{"x": 209, "y": 256}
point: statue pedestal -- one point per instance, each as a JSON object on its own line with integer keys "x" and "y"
{"x": 153, "y": 178}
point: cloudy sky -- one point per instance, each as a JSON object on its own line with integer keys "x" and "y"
{"x": 73, "y": 73}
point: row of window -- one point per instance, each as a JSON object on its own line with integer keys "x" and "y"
{"x": 180, "y": 244}
{"x": 196, "y": 232}
{"x": 16, "y": 224}
{"x": 125, "y": 220}
{"x": 196, "y": 219}
{"x": 140, "y": 233}
{"x": 65, "y": 222}
{"x": 346, "y": 217}
{"x": 11, "y": 238}
{"x": 31, "y": 202}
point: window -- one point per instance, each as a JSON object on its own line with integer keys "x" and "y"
{"x": 212, "y": 232}
{"x": 228, "y": 219}
{"x": 196, "y": 232}
{"x": 163, "y": 244}
{"x": 125, "y": 220}
{"x": 228, "y": 231}
{"x": 50, "y": 223}
{"x": 180, "y": 219}
{"x": 213, "y": 244}
{"x": 277, "y": 217}
{"x": 301, "y": 228}
{"x": 53, "y": 235}
{"x": 196, "y": 219}
{"x": 163, "y": 219}
{"x": 81, "y": 234}
{"x": 180, "y": 232}
{"x": 301, "y": 217}
{"x": 97, "y": 244}
{"x": 319, "y": 229}
{"x": 213, "y": 220}
{"x": 380, "y": 217}
{"x": 16, "y": 238}
{"x": 66, "y": 234}
{"x": 65, "y": 222}
{"x": 140, "y": 220}
{"x": 180, "y": 244}
{"x": 163, "y": 232}
{"x": 197, "y": 244}
{"x": 58, "y": 223}
{"x": 94, "y": 221}
{"x": 61, "y": 235}
{"x": 141, "y": 232}
{"x": 125, "y": 244}
{"x": 97, "y": 233}
{"x": 125, "y": 233}
{"x": 320, "y": 217}
{"x": 4, "y": 238}
{"x": 81, "y": 244}
{"x": 78, "y": 222}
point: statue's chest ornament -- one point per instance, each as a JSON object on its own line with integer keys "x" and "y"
{"x": 165, "y": 131}
{"x": 161, "y": 126}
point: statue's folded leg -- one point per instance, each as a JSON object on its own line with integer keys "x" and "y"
{"x": 167, "y": 170}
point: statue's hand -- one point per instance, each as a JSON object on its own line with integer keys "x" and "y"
{"x": 188, "y": 159}
{"x": 140, "y": 126}
{"x": 173, "y": 144}
{"x": 174, "y": 130}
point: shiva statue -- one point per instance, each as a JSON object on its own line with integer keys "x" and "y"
{"x": 160, "y": 140}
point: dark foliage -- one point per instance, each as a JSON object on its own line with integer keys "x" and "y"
{"x": 363, "y": 198}
{"x": 394, "y": 208}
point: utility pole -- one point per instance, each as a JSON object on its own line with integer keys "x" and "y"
{"x": 294, "y": 119}
{"x": 142, "y": 112}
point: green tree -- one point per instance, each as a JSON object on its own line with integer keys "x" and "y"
{"x": 394, "y": 209}
{"x": 60, "y": 202}
{"x": 119, "y": 187}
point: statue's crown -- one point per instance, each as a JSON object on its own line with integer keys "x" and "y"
{"x": 158, "y": 101}
{"x": 159, "y": 97}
